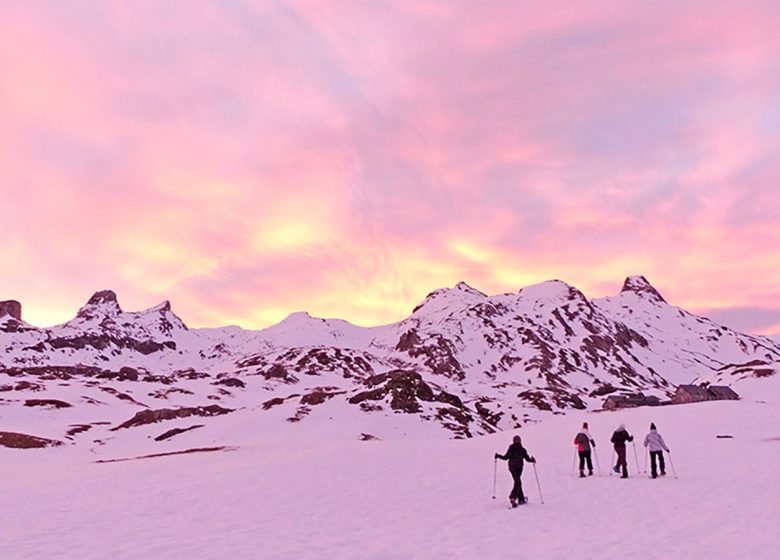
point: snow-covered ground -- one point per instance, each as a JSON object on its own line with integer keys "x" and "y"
{"x": 422, "y": 499}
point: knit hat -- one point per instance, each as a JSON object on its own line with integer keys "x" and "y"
{"x": 585, "y": 425}
{"x": 652, "y": 425}
{"x": 622, "y": 427}
{"x": 516, "y": 439}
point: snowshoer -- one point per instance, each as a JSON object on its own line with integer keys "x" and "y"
{"x": 656, "y": 445}
{"x": 516, "y": 454}
{"x": 619, "y": 439}
{"x": 583, "y": 441}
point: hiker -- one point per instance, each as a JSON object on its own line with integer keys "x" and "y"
{"x": 619, "y": 439}
{"x": 656, "y": 444}
{"x": 516, "y": 454}
{"x": 583, "y": 441}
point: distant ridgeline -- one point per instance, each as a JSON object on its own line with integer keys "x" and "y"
{"x": 462, "y": 364}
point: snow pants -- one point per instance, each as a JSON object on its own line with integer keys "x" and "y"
{"x": 621, "y": 460}
{"x": 585, "y": 458}
{"x": 517, "y": 489}
{"x": 659, "y": 455}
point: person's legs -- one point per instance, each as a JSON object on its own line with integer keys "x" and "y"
{"x": 622, "y": 461}
{"x": 589, "y": 461}
{"x": 653, "y": 470}
{"x": 582, "y": 455}
{"x": 661, "y": 462}
{"x": 517, "y": 490}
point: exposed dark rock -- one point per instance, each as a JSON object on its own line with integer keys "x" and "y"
{"x": 152, "y": 416}
{"x": 231, "y": 382}
{"x": 24, "y": 441}
{"x": 278, "y": 371}
{"x": 22, "y": 386}
{"x": 276, "y": 401}
{"x": 50, "y": 403}
{"x": 105, "y": 296}
{"x": 603, "y": 390}
{"x": 103, "y": 341}
{"x": 404, "y": 388}
{"x": 11, "y": 308}
{"x": 320, "y": 394}
{"x": 77, "y": 429}
{"x": 640, "y": 286}
{"x": 175, "y": 432}
{"x": 156, "y": 455}
{"x": 124, "y": 374}
{"x": 437, "y": 353}
{"x": 120, "y": 395}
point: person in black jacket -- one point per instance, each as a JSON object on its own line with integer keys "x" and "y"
{"x": 516, "y": 454}
{"x": 619, "y": 439}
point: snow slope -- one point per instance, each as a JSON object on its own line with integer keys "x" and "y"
{"x": 314, "y": 498}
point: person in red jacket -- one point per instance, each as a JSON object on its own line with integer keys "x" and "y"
{"x": 516, "y": 454}
{"x": 583, "y": 441}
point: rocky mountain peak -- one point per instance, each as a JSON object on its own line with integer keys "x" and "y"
{"x": 11, "y": 308}
{"x": 101, "y": 303}
{"x": 442, "y": 298}
{"x": 103, "y": 297}
{"x": 463, "y": 287}
{"x": 640, "y": 286}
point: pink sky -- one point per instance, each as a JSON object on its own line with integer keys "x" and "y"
{"x": 249, "y": 159}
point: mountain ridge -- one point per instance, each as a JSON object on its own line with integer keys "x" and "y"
{"x": 462, "y": 363}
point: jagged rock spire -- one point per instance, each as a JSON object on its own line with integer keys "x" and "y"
{"x": 11, "y": 308}
{"x": 642, "y": 287}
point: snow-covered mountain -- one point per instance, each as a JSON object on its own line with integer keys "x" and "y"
{"x": 462, "y": 363}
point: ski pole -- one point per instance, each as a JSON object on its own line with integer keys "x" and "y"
{"x": 672, "y": 464}
{"x": 611, "y": 468}
{"x": 495, "y": 470}
{"x": 596, "y": 454}
{"x": 644, "y": 469}
{"x": 539, "y": 486}
{"x": 636, "y": 457}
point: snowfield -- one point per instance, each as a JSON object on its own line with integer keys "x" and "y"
{"x": 321, "y": 497}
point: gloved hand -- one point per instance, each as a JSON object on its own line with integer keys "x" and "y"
{"x": 495, "y": 456}
{"x": 533, "y": 459}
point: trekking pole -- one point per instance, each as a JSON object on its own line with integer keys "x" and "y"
{"x": 596, "y": 454}
{"x": 611, "y": 468}
{"x": 674, "y": 472}
{"x": 539, "y": 486}
{"x": 644, "y": 469}
{"x": 495, "y": 470}
{"x": 636, "y": 457}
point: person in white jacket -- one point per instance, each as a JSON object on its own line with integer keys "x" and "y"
{"x": 656, "y": 444}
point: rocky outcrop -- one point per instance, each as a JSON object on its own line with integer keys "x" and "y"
{"x": 175, "y": 432}
{"x": 24, "y": 441}
{"x": 47, "y": 403}
{"x": 153, "y": 416}
{"x": 11, "y": 308}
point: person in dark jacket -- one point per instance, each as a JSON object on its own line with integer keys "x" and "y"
{"x": 619, "y": 439}
{"x": 516, "y": 454}
{"x": 583, "y": 441}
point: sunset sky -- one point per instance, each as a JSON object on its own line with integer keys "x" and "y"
{"x": 249, "y": 159}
